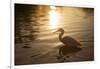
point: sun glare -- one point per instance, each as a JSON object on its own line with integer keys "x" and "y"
{"x": 52, "y": 7}
{"x": 53, "y": 18}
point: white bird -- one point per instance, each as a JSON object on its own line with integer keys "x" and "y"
{"x": 67, "y": 40}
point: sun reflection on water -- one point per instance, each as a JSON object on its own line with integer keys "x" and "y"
{"x": 53, "y": 17}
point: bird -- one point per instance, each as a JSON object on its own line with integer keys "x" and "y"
{"x": 67, "y": 40}
{"x": 71, "y": 46}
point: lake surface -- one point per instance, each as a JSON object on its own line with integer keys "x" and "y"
{"x": 35, "y": 42}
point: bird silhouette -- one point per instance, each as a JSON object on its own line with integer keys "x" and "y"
{"x": 67, "y": 40}
{"x": 71, "y": 46}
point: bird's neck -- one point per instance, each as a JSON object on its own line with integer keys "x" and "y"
{"x": 60, "y": 36}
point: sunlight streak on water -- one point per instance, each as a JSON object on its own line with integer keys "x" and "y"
{"x": 53, "y": 18}
{"x": 52, "y": 7}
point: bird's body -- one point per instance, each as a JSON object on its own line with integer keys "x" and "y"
{"x": 67, "y": 40}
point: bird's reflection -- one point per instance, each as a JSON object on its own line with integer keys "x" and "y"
{"x": 67, "y": 50}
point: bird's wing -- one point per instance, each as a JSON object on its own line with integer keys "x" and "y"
{"x": 70, "y": 41}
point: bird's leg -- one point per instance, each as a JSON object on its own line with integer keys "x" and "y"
{"x": 60, "y": 54}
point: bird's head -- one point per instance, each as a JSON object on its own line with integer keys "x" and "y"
{"x": 59, "y": 30}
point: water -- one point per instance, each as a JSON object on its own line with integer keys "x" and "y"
{"x": 35, "y": 24}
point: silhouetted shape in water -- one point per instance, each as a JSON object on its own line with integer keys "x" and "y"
{"x": 71, "y": 45}
{"x": 26, "y": 47}
{"x": 67, "y": 40}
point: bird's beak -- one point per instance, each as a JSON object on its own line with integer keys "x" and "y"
{"x": 55, "y": 31}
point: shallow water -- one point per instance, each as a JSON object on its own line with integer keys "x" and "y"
{"x": 35, "y": 24}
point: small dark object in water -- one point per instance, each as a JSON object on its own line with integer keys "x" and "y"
{"x": 35, "y": 55}
{"x": 67, "y": 56}
{"x": 26, "y": 47}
